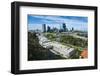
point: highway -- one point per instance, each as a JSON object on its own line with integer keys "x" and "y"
{"x": 74, "y": 35}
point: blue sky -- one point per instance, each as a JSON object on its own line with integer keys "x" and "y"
{"x": 78, "y": 22}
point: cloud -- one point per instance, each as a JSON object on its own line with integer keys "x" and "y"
{"x": 59, "y": 19}
{"x": 56, "y": 21}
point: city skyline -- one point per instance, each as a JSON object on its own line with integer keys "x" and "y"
{"x": 77, "y": 22}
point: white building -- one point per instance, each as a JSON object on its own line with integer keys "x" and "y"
{"x": 55, "y": 47}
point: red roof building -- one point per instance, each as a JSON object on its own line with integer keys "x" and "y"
{"x": 84, "y": 54}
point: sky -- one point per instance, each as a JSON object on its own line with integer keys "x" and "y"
{"x": 78, "y": 22}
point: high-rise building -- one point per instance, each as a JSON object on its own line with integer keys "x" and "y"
{"x": 64, "y": 27}
{"x": 44, "y": 27}
{"x": 48, "y": 29}
{"x": 72, "y": 29}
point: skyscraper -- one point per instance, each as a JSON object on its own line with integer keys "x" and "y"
{"x": 48, "y": 29}
{"x": 44, "y": 27}
{"x": 64, "y": 27}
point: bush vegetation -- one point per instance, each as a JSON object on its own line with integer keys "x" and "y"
{"x": 37, "y": 52}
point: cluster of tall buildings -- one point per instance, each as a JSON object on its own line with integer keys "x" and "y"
{"x": 62, "y": 29}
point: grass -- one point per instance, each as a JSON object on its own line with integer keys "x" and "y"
{"x": 66, "y": 40}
